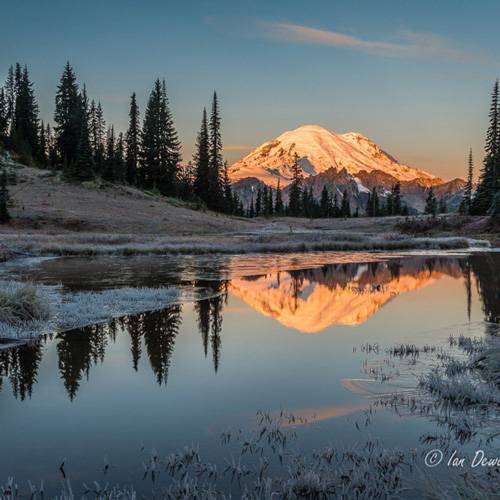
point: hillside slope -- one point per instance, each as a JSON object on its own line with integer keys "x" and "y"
{"x": 42, "y": 201}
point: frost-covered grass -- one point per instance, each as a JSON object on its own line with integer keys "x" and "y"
{"x": 266, "y": 464}
{"x": 29, "y": 311}
{"x": 459, "y": 389}
{"x": 22, "y": 302}
{"x": 116, "y": 244}
{"x": 467, "y": 382}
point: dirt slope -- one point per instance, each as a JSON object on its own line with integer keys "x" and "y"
{"x": 41, "y": 201}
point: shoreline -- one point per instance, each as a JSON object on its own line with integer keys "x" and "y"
{"x": 94, "y": 244}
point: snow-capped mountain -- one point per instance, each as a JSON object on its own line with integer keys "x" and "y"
{"x": 341, "y": 161}
{"x": 318, "y": 150}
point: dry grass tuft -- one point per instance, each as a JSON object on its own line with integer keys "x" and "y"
{"x": 22, "y": 302}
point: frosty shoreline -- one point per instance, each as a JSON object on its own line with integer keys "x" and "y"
{"x": 86, "y": 244}
{"x": 49, "y": 310}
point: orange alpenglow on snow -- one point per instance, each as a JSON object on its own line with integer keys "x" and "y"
{"x": 318, "y": 150}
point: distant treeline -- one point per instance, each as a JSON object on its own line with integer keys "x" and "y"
{"x": 147, "y": 155}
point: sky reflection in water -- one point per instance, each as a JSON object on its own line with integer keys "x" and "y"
{"x": 184, "y": 374}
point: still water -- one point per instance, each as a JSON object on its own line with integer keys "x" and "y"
{"x": 276, "y": 333}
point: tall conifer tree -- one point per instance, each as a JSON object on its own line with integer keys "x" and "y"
{"x": 279, "y": 208}
{"x": 487, "y": 186}
{"x": 294, "y": 204}
{"x": 4, "y": 116}
{"x": 431, "y": 204}
{"x": 10, "y": 97}
{"x": 42, "y": 147}
{"x": 97, "y": 129}
{"x": 270, "y": 203}
{"x": 170, "y": 151}
{"x": 120, "y": 171}
{"x": 24, "y": 128}
{"x": 201, "y": 160}
{"x": 133, "y": 143}
{"x": 466, "y": 203}
{"x": 325, "y": 202}
{"x": 227, "y": 191}
{"x": 82, "y": 167}
{"x": 215, "y": 161}
{"x": 160, "y": 145}
{"x": 109, "y": 162}
{"x": 67, "y": 117}
{"x": 345, "y": 207}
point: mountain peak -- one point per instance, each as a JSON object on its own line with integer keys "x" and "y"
{"x": 318, "y": 150}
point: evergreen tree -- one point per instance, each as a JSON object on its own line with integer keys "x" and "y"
{"x": 258, "y": 203}
{"x": 42, "y": 147}
{"x": 238, "y": 204}
{"x": 396, "y": 199}
{"x": 10, "y": 97}
{"x": 431, "y": 205}
{"x": 279, "y": 208}
{"x": 151, "y": 138}
{"x": 24, "y": 128}
{"x": 483, "y": 198}
{"x": 251, "y": 210}
{"x": 215, "y": 157}
{"x": 4, "y": 198}
{"x": 270, "y": 203}
{"x": 308, "y": 202}
{"x": 389, "y": 207}
{"x": 265, "y": 204}
{"x": 133, "y": 143}
{"x": 372, "y": 207}
{"x": 67, "y": 117}
{"x": 51, "y": 145}
{"x": 443, "y": 208}
{"x": 227, "y": 192}
{"x": 335, "y": 205}
{"x": 160, "y": 145}
{"x": 170, "y": 151}
{"x": 82, "y": 167}
{"x": 120, "y": 170}
{"x": 465, "y": 206}
{"x": 108, "y": 173}
{"x": 97, "y": 129}
{"x": 294, "y": 205}
{"x": 186, "y": 180}
{"x": 345, "y": 207}
{"x": 325, "y": 202}
{"x": 4, "y": 116}
{"x": 201, "y": 160}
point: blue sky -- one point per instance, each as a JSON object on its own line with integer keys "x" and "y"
{"x": 413, "y": 76}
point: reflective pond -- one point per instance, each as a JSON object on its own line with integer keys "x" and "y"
{"x": 275, "y": 333}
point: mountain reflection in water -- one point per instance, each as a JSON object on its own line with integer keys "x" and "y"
{"x": 348, "y": 294}
{"x": 307, "y": 300}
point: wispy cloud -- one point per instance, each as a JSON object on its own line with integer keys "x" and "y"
{"x": 406, "y": 44}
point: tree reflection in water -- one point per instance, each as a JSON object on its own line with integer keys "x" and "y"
{"x": 20, "y": 366}
{"x": 155, "y": 333}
